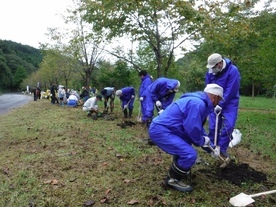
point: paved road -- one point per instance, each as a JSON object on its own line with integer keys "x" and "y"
{"x": 13, "y": 100}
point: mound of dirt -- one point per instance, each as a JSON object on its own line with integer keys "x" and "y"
{"x": 126, "y": 124}
{"x": 238, "y": 174}
{"x": 241, "y": 173}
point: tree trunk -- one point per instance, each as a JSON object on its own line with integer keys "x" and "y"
{"x": 253, "y": 89}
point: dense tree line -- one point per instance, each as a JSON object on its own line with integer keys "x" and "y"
{"x": 252, "y": 53}
{"x": 229, "y": 28}
{"x": 17, "y": 62}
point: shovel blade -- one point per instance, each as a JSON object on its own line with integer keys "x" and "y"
{"x": 139, "y": 119}
{"x": 241, "y": 200}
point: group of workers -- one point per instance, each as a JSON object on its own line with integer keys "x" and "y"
{"x": 180, "y": 123}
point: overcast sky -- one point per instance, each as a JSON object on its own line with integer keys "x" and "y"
{"x": 26, "y": 21}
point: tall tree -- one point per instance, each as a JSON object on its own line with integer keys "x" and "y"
{"x": 265, "y": 51}
{"x": 84, "y": 45}
{"x": 164, "y": 25}
{"x": 19, "y": 76}
{"x": 6, "y": 77}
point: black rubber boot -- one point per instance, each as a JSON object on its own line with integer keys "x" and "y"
{"x": 130, "y": 113}
{"x": 148, "y": 123}
{"x": 125, "y": 113}
{"x": 150, "y": 142}
{"x": 106, "y": 110}
{"x": 178, "y": 178}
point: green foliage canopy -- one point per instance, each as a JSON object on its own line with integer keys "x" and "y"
{"x": 16, "y": 62}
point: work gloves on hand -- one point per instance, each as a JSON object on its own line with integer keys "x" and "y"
{"x": 206, "y": 141}
{"x": 216, "y": 152}
{"x": 217, "y": 109}
{"x": 206, "y": 144}
{"x": 132, "y": 96}
{"x": 125, "y": 106}
{"x": 208, "y": 147}
{"x": 141, "y": 98}
{"x": 107, "y": 105}
{"x": 160, "y": 112}
{"x": 158, "y": 104}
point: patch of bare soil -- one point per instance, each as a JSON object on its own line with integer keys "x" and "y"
{"x": 237, "y": 174}
{"x": 246, "y": 167}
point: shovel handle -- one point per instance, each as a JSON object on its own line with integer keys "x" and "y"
{"x": 220, "y": 157}
{"x": 263, "y": 193}
{"x": 216, "y": 128}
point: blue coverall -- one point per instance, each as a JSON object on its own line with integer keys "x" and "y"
{"x": 126, "y": 98}
{"x": 162, "y": 89}
{"x": 145, "y": 82}
{"x": 229, "y": 80}
{"x": 180, "y": 126}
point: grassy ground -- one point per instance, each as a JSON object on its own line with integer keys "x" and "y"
{"x": 54, "y": 156}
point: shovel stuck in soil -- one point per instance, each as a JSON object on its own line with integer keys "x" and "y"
{"x": 225, "y": 162}
{"x": 139, "y": 118}
{"x": 243, "y": 200}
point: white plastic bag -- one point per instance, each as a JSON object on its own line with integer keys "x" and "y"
{"x": 236, "y": 138}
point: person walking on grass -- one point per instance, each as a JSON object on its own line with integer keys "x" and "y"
{"x": 53, "y": 93}
{"x": 61, "y": 95}
{"x": 223, "y": 72}
{"x": 126, "y": 95}
{"x": 146, "y": 80}
{"x": 179, "y": 127}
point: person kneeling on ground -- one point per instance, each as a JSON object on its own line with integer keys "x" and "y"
{"x": 91, "y": 107}
{"x": 179, "y": 127}
{"x": 73, "y": 99}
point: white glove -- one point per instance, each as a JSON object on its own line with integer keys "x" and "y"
{"x": 125, "y": 106}
{"x": 96, "y": 107}
{"x": 132, "y": 96}
{"x": 141, "y": 98}
{"x": 206, "y": 141}
{"x": 160, "y": 112}
{"x": 216, "y": 152}
{"x": 158, "y": 104}
{"x": 217, "y": 109}
{"x": 107, "y": 105}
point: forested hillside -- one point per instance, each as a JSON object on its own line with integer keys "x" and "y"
{"x": 17, "y": 61}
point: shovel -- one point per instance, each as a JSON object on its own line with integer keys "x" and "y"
{"x": 139, "y": 118}
{"x": 225, "y": 161}
{"x": 217, "y": 148}
{"x": 125, "y": 107}
{"x": 243, "y": 200}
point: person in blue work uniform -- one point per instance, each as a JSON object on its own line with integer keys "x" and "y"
{"x": 126, "y": 95}
{"x": 146, "y": 80}
{"x": 179, "y": 127}
{"x": 160, "y": 94}
{"x": 108, "y": 94}
{"x": 224, "y": 73}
